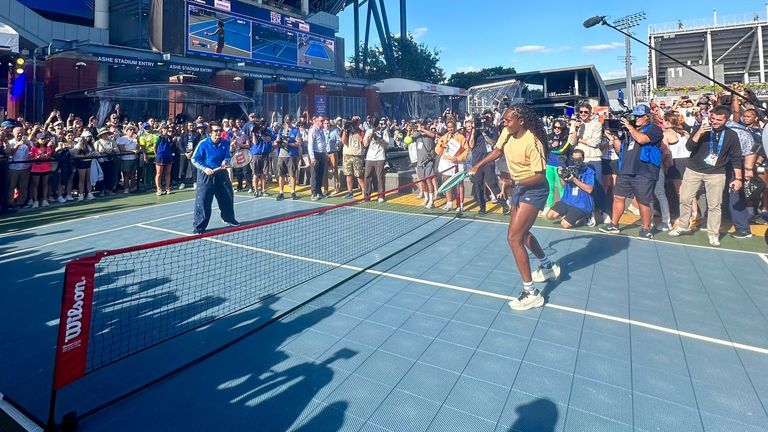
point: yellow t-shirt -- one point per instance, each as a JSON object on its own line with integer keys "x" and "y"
{"x": 525, "y": 156}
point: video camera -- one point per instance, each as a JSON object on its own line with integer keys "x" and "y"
{"x": 615, "y": 125}
{"x": 566, "y": 168}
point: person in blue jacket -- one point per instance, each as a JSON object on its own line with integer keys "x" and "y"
{"x": 211, "y": 158}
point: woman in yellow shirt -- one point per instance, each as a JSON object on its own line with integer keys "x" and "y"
{"x": 521, "y": 143}
{"x": 452, "y": 148}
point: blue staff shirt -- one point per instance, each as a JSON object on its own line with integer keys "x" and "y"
{"x": 575, "y": 196}
{"x": 210, "y": 155}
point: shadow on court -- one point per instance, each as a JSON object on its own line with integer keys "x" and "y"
{"x": 538, "y": 416}
{"x": 597, "y": 249}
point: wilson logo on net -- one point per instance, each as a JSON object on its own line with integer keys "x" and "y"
{"x": 74, "y": 317}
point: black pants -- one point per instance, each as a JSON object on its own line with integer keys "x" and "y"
{"x": 219, "y": 186}
{"x": 318, "y": 173}
{"x": 485, "y": 175}
{"x": 377, "y": 168}
{"x": 110, "y": 176}
{"x": 244, "y": 177}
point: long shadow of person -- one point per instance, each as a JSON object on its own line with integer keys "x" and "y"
{"x": 331, "y": 418}
{"x": 539, "y": 415}
{"x": 598, "y": 248}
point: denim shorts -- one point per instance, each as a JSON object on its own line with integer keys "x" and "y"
{"x": 535, "y": 196}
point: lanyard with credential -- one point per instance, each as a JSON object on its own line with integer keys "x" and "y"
{"x": 719, "y": 142}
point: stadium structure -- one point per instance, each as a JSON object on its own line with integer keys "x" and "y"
{"x": 269, "y": 57}
{"x": 728, "y": 48}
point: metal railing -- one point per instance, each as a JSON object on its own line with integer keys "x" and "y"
{"x": 707, "y": 23}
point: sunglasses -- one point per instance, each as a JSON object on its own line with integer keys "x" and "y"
{"x": 215, "y": 130}
{"x": 585, "y": 112}
{"x": 556, "y": 127}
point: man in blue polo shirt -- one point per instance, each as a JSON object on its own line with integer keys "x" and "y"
{"x": 211, "y": 158}
{"x": 576, "y": 204}
{"x": 261, "y": 148}
{"x": 288, "y": 144}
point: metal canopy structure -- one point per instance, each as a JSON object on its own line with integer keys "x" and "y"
{"x": 378, "y": 12}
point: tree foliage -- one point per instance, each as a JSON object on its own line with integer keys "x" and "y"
{"x": 414, "y": 61}
{"x": 468, "y": 79}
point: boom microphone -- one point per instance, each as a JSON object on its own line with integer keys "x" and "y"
{"x": 595, "y": 20}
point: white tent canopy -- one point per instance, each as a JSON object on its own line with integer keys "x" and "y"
{"x": 404, "y": 99}
{"x": 402, "y": 85}
{"x": 9, "y": 38}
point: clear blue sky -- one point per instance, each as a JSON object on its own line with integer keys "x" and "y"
{"x": 534, "y": 35}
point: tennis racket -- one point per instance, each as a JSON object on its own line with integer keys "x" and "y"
{"x": 241, "y": 158}
{"x": 453, "y": 181}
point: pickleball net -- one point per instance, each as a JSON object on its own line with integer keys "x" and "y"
{"x": 121, "y": 302}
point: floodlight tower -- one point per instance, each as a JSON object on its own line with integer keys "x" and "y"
{"x": 626, "y": 24}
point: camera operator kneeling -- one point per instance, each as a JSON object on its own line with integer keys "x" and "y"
{"x": 578, "y": 180}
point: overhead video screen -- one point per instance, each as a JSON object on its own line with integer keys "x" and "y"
{"x": 244, "y": 32}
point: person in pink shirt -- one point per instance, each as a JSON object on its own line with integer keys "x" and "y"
{"x": 42, "y": 155}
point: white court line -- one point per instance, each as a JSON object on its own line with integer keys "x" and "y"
{"x": 486, "y": 294}
{"x": 21, "y": 419}
{"x": 90, "y": 217}
{"x": 36, "y": 248}
{"x": 555, "y": 228}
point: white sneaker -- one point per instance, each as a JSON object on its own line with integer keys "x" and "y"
{"x": 677, "y": 231}
{"x": 426, "y": 200}
{"x": 493, "y": 199}
{"x": 61, "y": 200}
{"x": 543, "y": 274}
{"x": 714, "y": 239}
{"x": 606, "y": 218}
{"x": 89, "y": 197}
{"x": 44, "y": 203}
{"x": 69, "y": 198}
{"x": 194, "y": 186}
{"x": 591, "y": 221}
{"x": 35, "y": 204}
{"x": 182, "y": 186}
{"x": 381, "y": 200}
{"x": 79, "y": 197}
{"x": 420, "y": 195}
{"x": 448, "y": 206}
{"x": 429, "y": 204}
{"x": 527, "y": 300}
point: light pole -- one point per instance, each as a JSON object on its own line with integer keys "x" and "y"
{"x": 79, "y": 67}
{"x": 625, "y": 24}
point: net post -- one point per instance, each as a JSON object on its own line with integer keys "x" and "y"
{"x": 74, "y": 328}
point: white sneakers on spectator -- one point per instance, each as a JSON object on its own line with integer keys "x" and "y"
{"x": 80, "y": 197}
{"x": 381, "y": 200}
{"x": 182, "y": 186}
{"x": 69, "y": 198}
{"x": 714, "y": 239}
{"x": 543, "y": 274}
{"x": 194, "y": 186}
{"x": 448, "y": 206}
{"x": 44, "y": 203}
{"x": 606, "y": 218}
{"x": 35, "y": 204}
{"x": 89, "y": 196}
{"x": 61, "y": 200}
{"x": 678, "y": 231}
{"x": 590, "y": 221}
{"x": 429, "y": 204}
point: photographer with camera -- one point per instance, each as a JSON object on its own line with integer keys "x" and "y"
{"x": 586, "y": 133}
{"x": 482, "y": 137}
{"x": 352, "y": 154}
{"x": 288, "y": 143}
{"x": 424, "y": 140}
{"x": 639, "y": 163}
{"x": 577, "y": 180}
{"x": 375, "y": 143}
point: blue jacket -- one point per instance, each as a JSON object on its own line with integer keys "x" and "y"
{"x": 210, "y": 155}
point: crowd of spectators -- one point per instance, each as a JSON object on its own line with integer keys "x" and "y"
{"x": 66, "y": 159}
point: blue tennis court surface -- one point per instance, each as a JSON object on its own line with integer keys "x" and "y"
{"x": 636, "y": 336}
{"x": 317, "y": 49}
{"x": 276, "y": 51}
{"x": 237, "y": 33}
